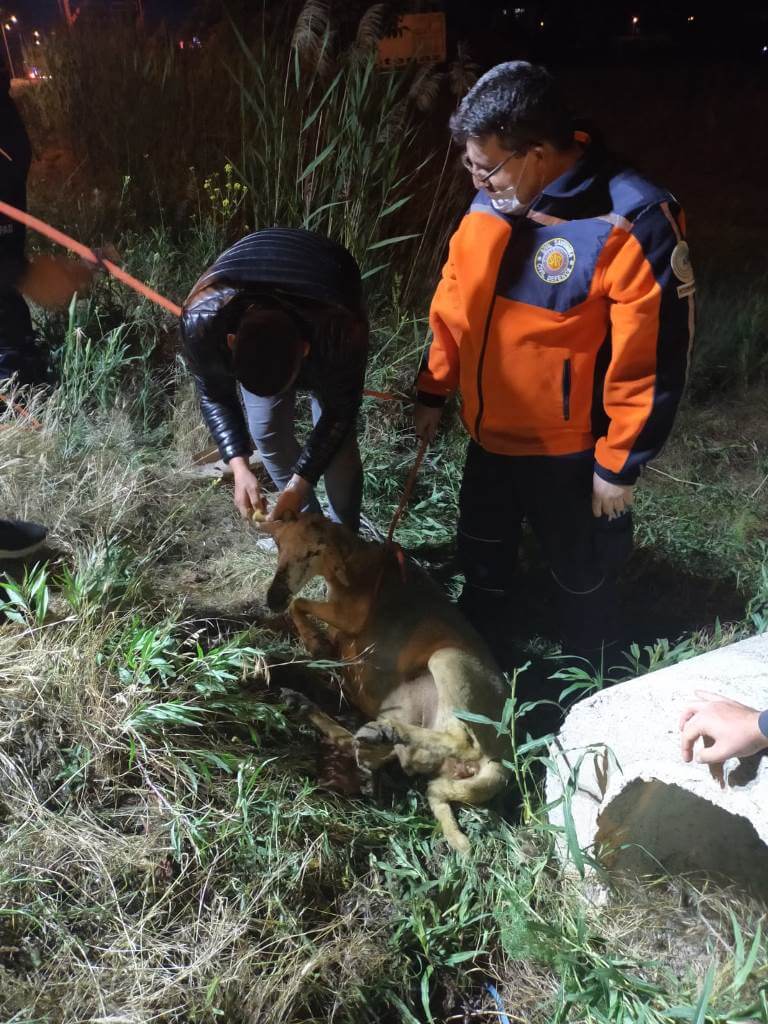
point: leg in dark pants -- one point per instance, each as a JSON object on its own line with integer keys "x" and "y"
{"x": 487, "y": 540}
{"x": 554, "y": 493}
{"x": 18, "y": 352}
{"x": 584, "y": 553}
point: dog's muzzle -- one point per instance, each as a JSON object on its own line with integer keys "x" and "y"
{"x": 279, "y": 593}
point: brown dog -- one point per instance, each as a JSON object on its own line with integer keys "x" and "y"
{"x": 414, "y": 662}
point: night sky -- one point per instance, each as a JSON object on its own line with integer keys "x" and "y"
{"x": 719, "y": 30}
{"x": 44, "y": 13}
{"x": 39, "y": 12}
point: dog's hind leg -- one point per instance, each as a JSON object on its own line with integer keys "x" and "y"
{"x": 420, "y": 750}
{"x": 324, "y": 724}
{"x": 475, "y": 791}
{"x": 373, "y": 748}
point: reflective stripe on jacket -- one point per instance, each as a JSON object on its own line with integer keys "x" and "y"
{"x": 569, "y": 327}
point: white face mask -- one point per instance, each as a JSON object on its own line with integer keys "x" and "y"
{"x": 509, "y": 204}
{"x": 506, "y": 201}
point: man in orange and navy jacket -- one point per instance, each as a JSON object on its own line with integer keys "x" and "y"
{"x": 564, "y": 318}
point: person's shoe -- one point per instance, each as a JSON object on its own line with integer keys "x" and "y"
{"x": 266, "y": 544}
{"x": 19, "y": 539}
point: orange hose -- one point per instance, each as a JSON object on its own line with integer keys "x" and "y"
{"x": 20, "y": 411}
{"x": 383, "y": 396}
{"x": 90, "y": 256}
{"x": 408, "y": 489}
{"x": 138, "y": 286}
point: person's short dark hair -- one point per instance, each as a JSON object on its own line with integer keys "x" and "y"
{"x": 519, "y": 102}
{"x": 268, "y": 349}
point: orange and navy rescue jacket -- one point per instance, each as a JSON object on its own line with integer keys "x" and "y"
{"x": 568, "y": 328}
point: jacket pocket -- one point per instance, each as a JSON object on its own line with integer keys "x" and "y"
{"x": 566, "y": 389}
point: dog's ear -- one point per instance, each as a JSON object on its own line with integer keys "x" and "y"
{"x": 273, "y": 528}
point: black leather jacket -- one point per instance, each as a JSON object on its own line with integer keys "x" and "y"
{"x": 318, "y": 281}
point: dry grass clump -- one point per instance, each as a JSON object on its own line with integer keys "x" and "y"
{"x": 166, "y": 851}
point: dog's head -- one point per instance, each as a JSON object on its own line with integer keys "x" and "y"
{"x": 307, "y": 548}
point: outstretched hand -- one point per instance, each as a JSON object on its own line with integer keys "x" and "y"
{"x": 732, "y": 729}
{"x": 248, "y": 496}
{"x": 292, "y": 499}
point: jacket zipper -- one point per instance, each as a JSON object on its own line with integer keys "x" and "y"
{"x": 480, "y": 362}
{"x": 566, "y": 389}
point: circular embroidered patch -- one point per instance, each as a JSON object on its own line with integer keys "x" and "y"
{"x": 682, "y": 267}
{"x": 554, "y": 260}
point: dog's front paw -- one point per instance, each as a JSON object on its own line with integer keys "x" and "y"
{"x": 296, "y": 701}
{"x": 321, "y": 649}
{"x": 378, "y": 734}
{"x": 281, "y": 623}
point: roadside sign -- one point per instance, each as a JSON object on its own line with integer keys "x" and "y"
{"x": 420, "y": 37}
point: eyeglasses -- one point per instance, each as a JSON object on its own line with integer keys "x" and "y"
{"x": 484, "y": 179}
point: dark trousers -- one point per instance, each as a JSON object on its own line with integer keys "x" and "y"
{"x": 554, "y": 495}
{"x": 18, "y": 352}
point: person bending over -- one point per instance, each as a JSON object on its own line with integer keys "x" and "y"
{"x": 279, "y": 313}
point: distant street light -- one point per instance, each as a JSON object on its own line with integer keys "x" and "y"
{"x": 7, "y": 26}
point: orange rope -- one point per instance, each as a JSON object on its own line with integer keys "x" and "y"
{"x": 20, "y": 411}
{"x": 90, "y": 256}
{"x": 383, "y": 396}
{"x": 389, "y": 543}
{"x": 408, "y": 489}
{"x": 138, "y": 286}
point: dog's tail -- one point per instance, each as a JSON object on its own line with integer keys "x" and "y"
{"x": 482, "y": 787}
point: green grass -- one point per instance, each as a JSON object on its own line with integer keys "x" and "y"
{"x": 167, "y": 851}
{"x": 281, "y": 118}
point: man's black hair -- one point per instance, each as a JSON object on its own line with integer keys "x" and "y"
{"x": 268, "y": 349}
{"x": 521, "y": 103}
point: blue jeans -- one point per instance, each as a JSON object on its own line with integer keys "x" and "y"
{"x": 271, "y": 422}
